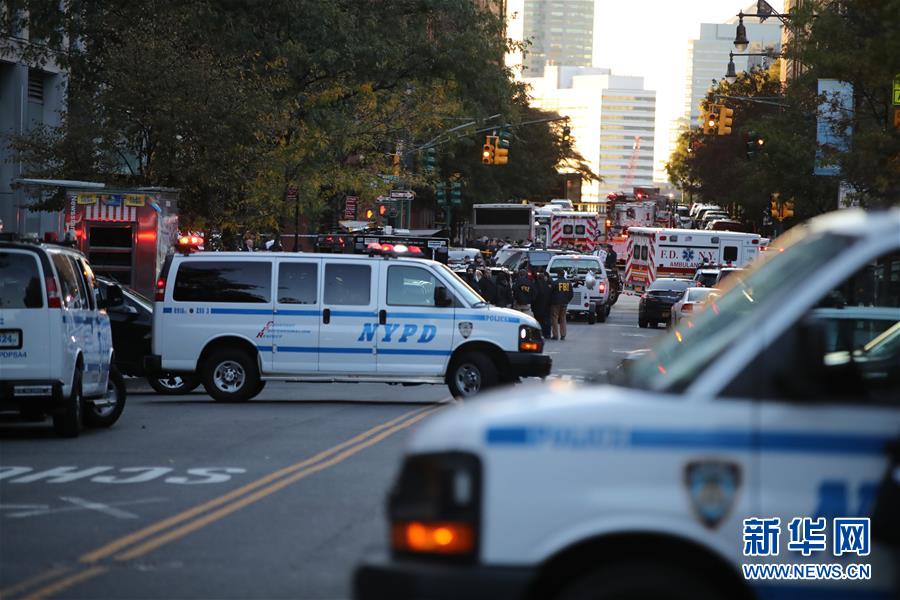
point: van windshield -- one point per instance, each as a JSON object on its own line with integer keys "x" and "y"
{"x": 676, "y": 361}
{"x": 575, "y": 266}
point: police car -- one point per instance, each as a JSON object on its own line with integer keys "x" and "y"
{"x": 591, "y": 294}
{"x": 55, "y": 341}
{"x": 746, "y": 473}
{"x": 240, "y": 319}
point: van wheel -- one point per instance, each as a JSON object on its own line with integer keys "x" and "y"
{"x": 592, "y": 316}
{"x": 67, "y": 422}
{"x": 640, "y": 580}
{"x": 602, "y": 313}
{"x": 231, "y": 375}
{"x": 174, "y": 385}
{"x": 113, "y": 402}
{"x": 470, "y": 374}
{"x": 642, "y": 323}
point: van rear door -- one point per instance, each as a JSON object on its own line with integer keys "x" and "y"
{"x": 24, "y": 322}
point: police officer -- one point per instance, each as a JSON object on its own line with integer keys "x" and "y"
{"x": 523, "y": 292}
{"x": 562, "y": 295}
{"x": 486, "y": 285}
{"x": 611, "y": 257}
{"x": 541, "y": 306}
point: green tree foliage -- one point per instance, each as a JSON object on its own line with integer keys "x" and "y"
{"x": 236, "y": 102}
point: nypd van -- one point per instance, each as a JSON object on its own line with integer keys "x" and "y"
{"x": 56, "y": 347}
{"x": 241, "y": 319}
{"x": 753, "y": 453}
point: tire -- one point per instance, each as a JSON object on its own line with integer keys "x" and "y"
{"x": 470, "y": 374}
{"x": 641, "y": 580}
{"x": 602, "y": 313}
{"x": 230, "y": 375}
{"x": 642, "y": 324}
{"x": 68, "y": 421}
{"x": 106, "y": 416}
{"x": 592, "y": 316}
{"x": 174, "y": 385}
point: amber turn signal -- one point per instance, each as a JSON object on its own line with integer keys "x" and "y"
{"x": 439, "y": 538}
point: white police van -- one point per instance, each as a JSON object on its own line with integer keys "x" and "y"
{"x": 55, "y": 339}
{"x": 782, "y": 403}
{"x": 240, "y": 319}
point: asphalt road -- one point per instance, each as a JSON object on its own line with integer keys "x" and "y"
{"x": 186, "y": 498}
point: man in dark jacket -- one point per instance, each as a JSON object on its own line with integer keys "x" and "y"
{"x": 562, "y": 295}
{"x": 504, "y": 289}
{"x": 486, "y": 285}
{"x": 523, "y": 292}
{"x": 541, "y": 305}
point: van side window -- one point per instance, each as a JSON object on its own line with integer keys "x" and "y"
{"x": 348, "y": 284}
{"x": 72, "y": 293}
{"x": 729, "y": 254}
{"x": 297, "y": 282}
{"x": 219, "y": 281}
{"x": 410, "y": 286}
{"x": 847, "y": 348}
{"x": 20, "y": 281}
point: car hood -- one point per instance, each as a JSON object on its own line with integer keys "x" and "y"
{"x": 466, "y": 426}
{"x": 513, "y": 314}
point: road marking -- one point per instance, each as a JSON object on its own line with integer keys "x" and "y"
{"x": 33, "y": 581}
{"x": 41, "y": 510}
{"x": 99, "y": 507}
{"x": 22, "y": 506}
{"x": 636, "y": 335}
{"x": 66, "y": 583}
{"x": 274, "y": 482}
{"x": 116, "y": 545}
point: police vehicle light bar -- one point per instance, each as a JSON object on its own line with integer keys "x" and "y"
{"x": 392, "y": 249}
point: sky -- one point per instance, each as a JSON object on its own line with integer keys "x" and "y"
{"x": 649, "y": 38}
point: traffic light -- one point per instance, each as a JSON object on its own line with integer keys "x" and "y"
{"x": 566, "y": 134}
{"x": 430, "y": 160}
{"x": 382, "y": 208}
{"x": 440, "y": 194}
{"x": 455, "y": 193}
{"x": 725, "y": 120}
{"x": 369, "y": 214}
{"x": 710, "y": 119}
{"x": 501, "y": 148}
{"x": 755, "y": 144}
{"x": 487, "y": 151}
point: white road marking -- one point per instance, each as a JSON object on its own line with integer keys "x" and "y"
{"x": 99, "y": 507}
{"x": 81, "y": 504}
{"x": 21, "y": 506}
{"x": 637, "y": 335}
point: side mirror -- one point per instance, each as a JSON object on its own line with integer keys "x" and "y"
{"x": 114, "y": 297}
{"x": 442, "y": 298}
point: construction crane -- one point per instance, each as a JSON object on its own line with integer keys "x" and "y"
{"x": 629, "y": 176}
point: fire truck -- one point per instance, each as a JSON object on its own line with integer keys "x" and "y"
{"x": 653, "y": 252}
{"x": 126, "y": 234}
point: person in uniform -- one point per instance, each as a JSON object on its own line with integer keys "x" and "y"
{"x": 523, "y": 292}
{"x": 541, "y": 305}
{"x": 562, "y": 295}
{"x": 486, "y": 285}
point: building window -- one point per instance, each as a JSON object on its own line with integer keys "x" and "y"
{"x": 35, "y": 86}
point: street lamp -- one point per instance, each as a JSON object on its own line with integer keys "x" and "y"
{"x": 731, "y": 72}
{"x": 764, "y": 10}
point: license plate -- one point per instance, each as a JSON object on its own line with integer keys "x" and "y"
{"x": 11, "y": 338}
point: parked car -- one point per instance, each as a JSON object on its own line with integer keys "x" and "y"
{"x": 534, "y": 260}
{"x": 56, "y": 346}
{"x": 690, "y": 303}
{"x": 728, "y": 225}
{"x": 656, "y": 303}
{"x": 132, "y": 322}
{"x": 727, "y": 272}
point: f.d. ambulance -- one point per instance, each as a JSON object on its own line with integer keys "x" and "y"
{"x": 652, "y": 252}
{"x": 240, "y": 319}
{"x": 750, "y": 455}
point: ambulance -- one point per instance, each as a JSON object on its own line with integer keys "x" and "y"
{"x": 573, "y": 228}
{"x": 752, "y": 455}
{"x": 241, "y": 319}
{"x": 653, "y": 252}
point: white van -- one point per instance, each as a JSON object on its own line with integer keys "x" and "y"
{"x": 55, "y": 339}
{"x": 240, "y": 319}
{"x": 591, "y": 285}
{"x": 753, "y": 455}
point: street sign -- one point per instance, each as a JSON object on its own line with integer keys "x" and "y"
{"x": 402, "y": 194}
{"x": 350, "y": 208}
{"x": 292, "y": 194}
{"x": 896, "y": 93}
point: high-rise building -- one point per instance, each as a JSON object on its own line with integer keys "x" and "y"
{"x": 708, "y": 57}
{"x": 612, "y": 119}
{"x": 30, "y": 96}
{"x": 560, "y": 32}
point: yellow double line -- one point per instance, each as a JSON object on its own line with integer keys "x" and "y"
{"x": 150, "y": 538}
